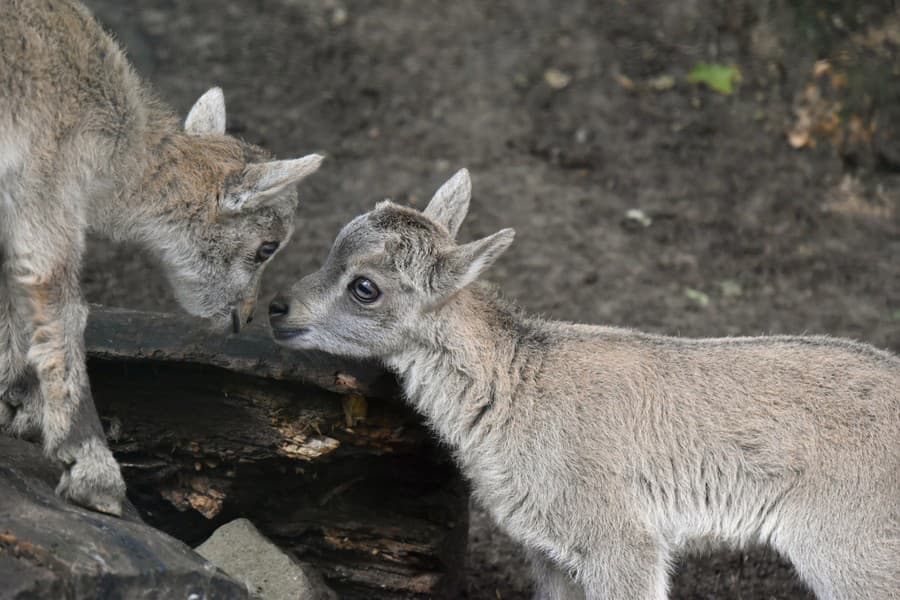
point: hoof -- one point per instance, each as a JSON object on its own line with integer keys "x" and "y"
{"x": 92, "y": 478}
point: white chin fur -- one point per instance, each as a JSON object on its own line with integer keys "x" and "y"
{"x": 312, "y": 341}
{"x": 297, "y": 343}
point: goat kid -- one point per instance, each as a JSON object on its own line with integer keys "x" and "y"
{"x": 605, "y": 451}
{"x": 84, "y": 145}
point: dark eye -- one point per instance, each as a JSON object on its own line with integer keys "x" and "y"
{"x": 364, "y": 290}
{"x": 266, "y": 251}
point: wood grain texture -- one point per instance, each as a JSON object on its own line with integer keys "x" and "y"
{"x": 317, "y": 451}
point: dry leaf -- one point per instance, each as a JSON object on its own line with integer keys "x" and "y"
{"x": 820, "y": 68}
{"x": 799, "y": 139}
{"x": 625, "y": 82}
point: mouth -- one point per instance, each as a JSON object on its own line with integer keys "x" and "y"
{"x": 283, "y": 335}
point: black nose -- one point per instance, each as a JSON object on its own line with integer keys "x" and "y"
{"x": 278, "y": 308}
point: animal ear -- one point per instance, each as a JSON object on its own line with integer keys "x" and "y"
{"x": 451, "y": 203}
{"x": 462, "y": 265}
{"x": 262, "y": 182}
{"x": 207, "y": 116}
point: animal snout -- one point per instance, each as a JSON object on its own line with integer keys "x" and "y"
{"x": 279, "y": 308}
{"x": 289, "y": 320}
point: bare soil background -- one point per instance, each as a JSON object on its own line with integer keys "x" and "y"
{"x": 570, "y": 114}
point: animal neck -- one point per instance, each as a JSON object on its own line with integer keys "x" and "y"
{"x": 133, "y": 201}
{"x": 467, "y": 367}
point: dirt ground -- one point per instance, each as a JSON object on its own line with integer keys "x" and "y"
{"x": 774, "y": 209}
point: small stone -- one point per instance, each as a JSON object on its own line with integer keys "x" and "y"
{"x": 636, "y": 216}
{"x": 557, "y": 79}
{"x": 661, "y": 83}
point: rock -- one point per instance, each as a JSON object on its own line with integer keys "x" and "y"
{"x": 239, "y": 549}
{"x": 51, "y": 549}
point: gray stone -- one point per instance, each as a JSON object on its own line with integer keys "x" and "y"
{"x": 239, "y": 549}
{"x": 51, "y": 549}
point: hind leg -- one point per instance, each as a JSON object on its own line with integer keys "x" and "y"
{"x": 12, "y": 360}
{"x": 20, "y": 403}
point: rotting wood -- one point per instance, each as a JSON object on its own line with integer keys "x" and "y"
{"x": 317, "y": 451}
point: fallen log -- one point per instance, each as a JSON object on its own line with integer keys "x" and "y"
{"x": 316, "y": 451}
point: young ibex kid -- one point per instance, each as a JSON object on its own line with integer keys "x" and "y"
{"x": 607, "y": 451}
{"x": 83, "y": 145}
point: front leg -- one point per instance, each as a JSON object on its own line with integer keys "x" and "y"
{"x": 551, "y": 582}
{"x": 69, "y": 423}
{"x": 628, "y": 563}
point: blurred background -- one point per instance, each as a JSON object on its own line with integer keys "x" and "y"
{"x": 689, "y": 167}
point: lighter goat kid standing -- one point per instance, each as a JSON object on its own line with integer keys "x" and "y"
{"x": 83, "y": 145}
{"x": 607, "y": 451}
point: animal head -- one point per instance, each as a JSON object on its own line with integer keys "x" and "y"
{"x": 227, "y": 210}
{"x": 388, "y": 272}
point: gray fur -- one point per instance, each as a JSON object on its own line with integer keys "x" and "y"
{"x": 606, "y": 452}
{"x": 84, "y": 145}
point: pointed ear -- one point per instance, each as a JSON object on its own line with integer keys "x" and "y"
{"x": 464, "y": 264}
{"x": 207, "y": 116}
{"x": 451, "y": 203}
{"x": 262, "y": 182}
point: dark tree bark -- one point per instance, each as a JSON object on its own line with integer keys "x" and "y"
{"x": 317, "y": 451}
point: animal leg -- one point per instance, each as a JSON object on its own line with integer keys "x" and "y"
{"x": 846, "y": 558}
{"x": 551, "y": 582}
{"x": 71, "y": 428}
{"x": 20, "y": 402}
{"x": 632, "y": 566}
